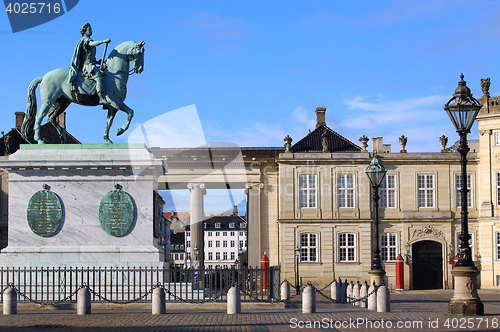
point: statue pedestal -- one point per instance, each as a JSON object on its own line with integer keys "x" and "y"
{"x": 119, "y": 230}
{"x": 465, "y": 300}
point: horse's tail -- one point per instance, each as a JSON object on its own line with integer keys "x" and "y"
{"x": 29, "y": 119}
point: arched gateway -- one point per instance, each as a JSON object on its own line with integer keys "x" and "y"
{"x": 427, "y": 259}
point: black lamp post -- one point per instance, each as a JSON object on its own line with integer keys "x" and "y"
{"x": 297, "y": 257}
{"x": 462, "y": 109}
{"x": 376, "y": 173}
{"x": 195, "y": 250}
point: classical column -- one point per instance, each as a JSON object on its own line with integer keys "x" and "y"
{"x": 253, "y": 223}
{"x": 196, "y": 225}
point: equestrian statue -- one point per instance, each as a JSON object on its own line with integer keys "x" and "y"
{"x": 85, "y": 83}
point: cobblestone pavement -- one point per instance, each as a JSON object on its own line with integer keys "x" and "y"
{"x": 410, "y": 311}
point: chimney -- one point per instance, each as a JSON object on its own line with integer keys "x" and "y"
{"x": 235, "y": 210}
{"x": 19, "y": 119}
{"x": 320, "y": 116}
{"x": 61, "y": 119}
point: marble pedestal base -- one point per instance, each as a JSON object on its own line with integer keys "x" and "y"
{"x": 80, "y": 175}
{"x": 465, "y": 300}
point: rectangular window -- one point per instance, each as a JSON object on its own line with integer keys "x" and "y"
{"x": 308, "y": 247}
{"x": 210, "y": 256}
{"x": 243, "y": 225}
{"x": 210, "y": 244}
{"x": 217, "y": 255}
{"x": 347, "y": 247}
{"x": 224, "y": 233}
{"x": 388, "y": 191}
{"x": 498, "y": 189}
{"x": 233, "y": 256}
{"x": 217, "y": 225}
{"x": 345, "y": 184}
{"x": 307, "y": 186}
{"x": 188, "y": 244}
{"x": 224, "y": 244}
{"x": 231, "y": 225}
{"x": 217, "y": 244}
{"x": 232, "y": 243}
{"x": 497, "y": 138}
{"x": 209, "y": 234}
{"x": 181, "y": 256}
{"x": 458, "y": 182}
{"x": 188, "y": 233}
{"x": 241, "y": 243}
{"x": 241, "y": 233}
{"x": 232, "y": 233}
{"x": 388, "y": 246}
{"x": 425, "y": 184}
{"x": 498, "y": 246}
{"x": 176, "y": 257}
{"x": 224, "y": 256}
{"x": 217, "y": 233}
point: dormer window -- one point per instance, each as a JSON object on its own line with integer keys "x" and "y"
{"x": 231, "y": 225}
{"x": 243, "y": 225}
{"x": 217, "y": 225}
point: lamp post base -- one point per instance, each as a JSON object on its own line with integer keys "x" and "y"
{"x": 465, "y": 300}
{"x": 377, "y": 276}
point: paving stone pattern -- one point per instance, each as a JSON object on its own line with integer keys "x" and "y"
{"x": 409, "y": 308}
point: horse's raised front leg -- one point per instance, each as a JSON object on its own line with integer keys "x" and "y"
{"x": 123, "y": 107}
{"x": 38, "y": 121}
{"x": 109, "y": 121}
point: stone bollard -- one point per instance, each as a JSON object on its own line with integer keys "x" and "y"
{"x": 338, "y": 298}
{"x": 349, "y": 291}
{"x": 308, "y": 300}
{"x": 343, "y": 292}
{"x": 383, "y": 299}
{"x": 285, "y": 294}
{"x": 363, "y": 291}
{"x": 372, "y": 299}
{"x": 83, "y": 302}
{"x": 10, "y": 301}
{"x": 158, "y": 301}
{"x": 333, "y": 294}
{"x": 355, "y": 293}
{"x": 233, "y": 301}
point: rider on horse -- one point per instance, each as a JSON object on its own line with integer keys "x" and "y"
{"x": 84, "y": 61}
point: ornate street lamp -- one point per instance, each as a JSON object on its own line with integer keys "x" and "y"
{"x": 462, "y": 110}
{"x": 196, "y": 262}
{"x": 297, "y": 257}
{"x": 376, "y": 173}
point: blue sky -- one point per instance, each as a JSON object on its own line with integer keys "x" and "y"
{"x": 256, "y": 71}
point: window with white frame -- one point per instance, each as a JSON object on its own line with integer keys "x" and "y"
{"x": 241, "y": 234}
{"x": 388, "y": 246}
{"x": 188, "y": 244}
{"x": 347, "y": 247}
{"x": 308, "y": 247}
{"x": 426, "y": 186}
{"x": 210, "y": 256}
{"x": 210, "y": 244}
{"x": 498, "y": 245}
{"x": 233, "y": 255}
{"x": 217, "y": 244}
{"x": 224, "y": 244}
{"x": 209, "y": 234}
{"x": 224, "y": 233}
{"x": 307, "y": 187}
{"x": 232, "y": 244}
{"x": 231, "y": 234}
{"x": 217, "y": 255}
{"x": 224, "y": 256}
{"x": 217, "y": 225}
{"x": 388, "y": 191}
{"x": 231, "y": 225}
{"x": 217, "y": 233}
{"x": 471, "y": 243}
{"x": 345, "y": 185}
{"x": 498, "y": 189}
{"x": 241, "y": 243}
{"x": 188, "y": 233}
{"x": 458, "y": 183}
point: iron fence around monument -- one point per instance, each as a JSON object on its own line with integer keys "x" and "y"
{"x": 52, "y": 285}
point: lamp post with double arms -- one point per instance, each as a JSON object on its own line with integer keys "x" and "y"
{"x": 376, "y": 173}
{"x": 463, "y": 109}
